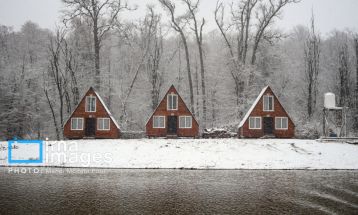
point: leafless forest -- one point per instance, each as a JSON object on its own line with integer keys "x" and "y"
{"x": 132, "y": 63}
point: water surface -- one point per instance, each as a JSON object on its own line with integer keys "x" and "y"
{"x": 86, "y": 191}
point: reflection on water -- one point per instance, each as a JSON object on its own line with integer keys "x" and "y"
{"x": 179, "y": 192}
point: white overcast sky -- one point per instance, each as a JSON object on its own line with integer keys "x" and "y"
{"x": 329, "y": 14}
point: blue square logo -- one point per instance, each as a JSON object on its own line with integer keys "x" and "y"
{"x": 12, "y": 143}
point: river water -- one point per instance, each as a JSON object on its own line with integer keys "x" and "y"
{"x": 113, "y": 191}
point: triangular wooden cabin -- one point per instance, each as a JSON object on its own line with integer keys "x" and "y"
{"x": 172, "y": 118}
{"x": 91, "y": 119}
{"x": 267, "y": 117}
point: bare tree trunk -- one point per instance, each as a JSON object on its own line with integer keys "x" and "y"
{"x": 53, "y": 114}
{"x": 192, "y": 7}
{"x": 187, "y": 57}
{"x": 155, "y": 75}
{"x": 213, "y": 101}
{"x": 309, "y": 100}
{"x": 55, "y": 70}
{"x": 312, "y": 55}
{"x": 176, "y": 25}
{"x": 71, "y": 68}
{"x": 109, "y": 84}
{"x": 356, "y": 84}
{"x": 344, "y": 93}
{"x": 196, "y": 79}
{"x": 179, "y": 66}
{"x": 96, "y": 44}
{"x": 203, "y": 86}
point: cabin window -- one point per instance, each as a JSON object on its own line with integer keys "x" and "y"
{"x": 103, "y": 124}
{"x": 76, "y": 123}
{"x": 281, "y": 123}
{"x": 268, "y": 103}
{"x": 255, "y": 123}
{"x": 185, "y": 121}
{"x": 90, "y": 104}
{"x": 172, "y": 102}
{"x": 158, "y": 121}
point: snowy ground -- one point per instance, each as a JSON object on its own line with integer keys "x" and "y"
{"x": 189, "y": 153}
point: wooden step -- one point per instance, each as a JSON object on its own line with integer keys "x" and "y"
{"x": 172, "y": 136}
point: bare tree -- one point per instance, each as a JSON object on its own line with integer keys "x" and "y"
{"x": 142, "y": 38}
{"x": 312, "y": 59}
{"x": 178, "y": 24}
{"x": 356, "y": 83}
{"x": 198, "y": 30}
{"x": 251, "y": 21}
{"x": 60, "y": 81}
{"x": 235, "y": 66}
{"x": 56, "y": 73}
{"x": 154, "y": 58}
{"x": 266, "y": 15}
{"x": 53, "y": 114}
{"x": 71, "y": 68}
{"x": 343, "y": 76}
{"x": 102, "y": 15}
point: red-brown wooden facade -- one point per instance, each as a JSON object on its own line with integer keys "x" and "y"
{"x": 167, "y": 120}
{"x": 270, "y": 119}
{"x": 95, "y": 121}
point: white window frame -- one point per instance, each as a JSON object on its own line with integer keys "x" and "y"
{"x": 255, "y": 117}
{"x": 172, "y": 95}
{"x": 95, "y": 103}
{"x": 103, "y": 119}
{"x": 158, "y": 123}
{"x": 77, "y": 129}
{"x": 281, "y": 119}
{"x": 185, "y": 121}
{"x": 273, "y": 103}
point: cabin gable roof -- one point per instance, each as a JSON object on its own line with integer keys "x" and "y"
{"x": 255, "y": 103}
{"x": 100, "y": 101}
{"x": 180, "y": 99}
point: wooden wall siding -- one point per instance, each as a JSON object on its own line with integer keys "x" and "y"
{"x": 279, "y": 111}
{"x": 101, "y": 112}
{"x": 162, "y": 111}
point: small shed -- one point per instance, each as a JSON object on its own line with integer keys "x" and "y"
{"x": 91, "y": 119}
{"x": 266, "y": 117}
{"x": 172, "y": 118}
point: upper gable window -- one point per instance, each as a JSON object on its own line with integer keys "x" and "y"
{"x": 172, "y": 102}
{"x": 91, "y": 104}
{"x": 268, "y": 103}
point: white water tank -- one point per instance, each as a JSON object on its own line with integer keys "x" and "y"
{"x": 329, "y": 100}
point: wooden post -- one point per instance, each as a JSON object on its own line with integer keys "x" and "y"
{"x": 324, "y": 122}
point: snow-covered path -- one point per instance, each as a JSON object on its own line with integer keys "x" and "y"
{"x": 197, "y": 154}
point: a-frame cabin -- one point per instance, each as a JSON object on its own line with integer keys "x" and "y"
{"x": 172, "y": 118}
{"x": 266, "y": 117}
{"x": 91, "y": 119}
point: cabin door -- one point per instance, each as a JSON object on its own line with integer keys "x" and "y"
{"x": 90, "y": 127}
{"x": 172, "y": 124}
{"x": 268, "y": 125}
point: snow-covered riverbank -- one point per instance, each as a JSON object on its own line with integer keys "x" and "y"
{"x": 189, "y": 153}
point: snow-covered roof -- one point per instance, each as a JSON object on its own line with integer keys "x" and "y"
{"x": 252, "y": 107}
{"x": 172, "y": 86}
{"x": 105, "y": 107}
